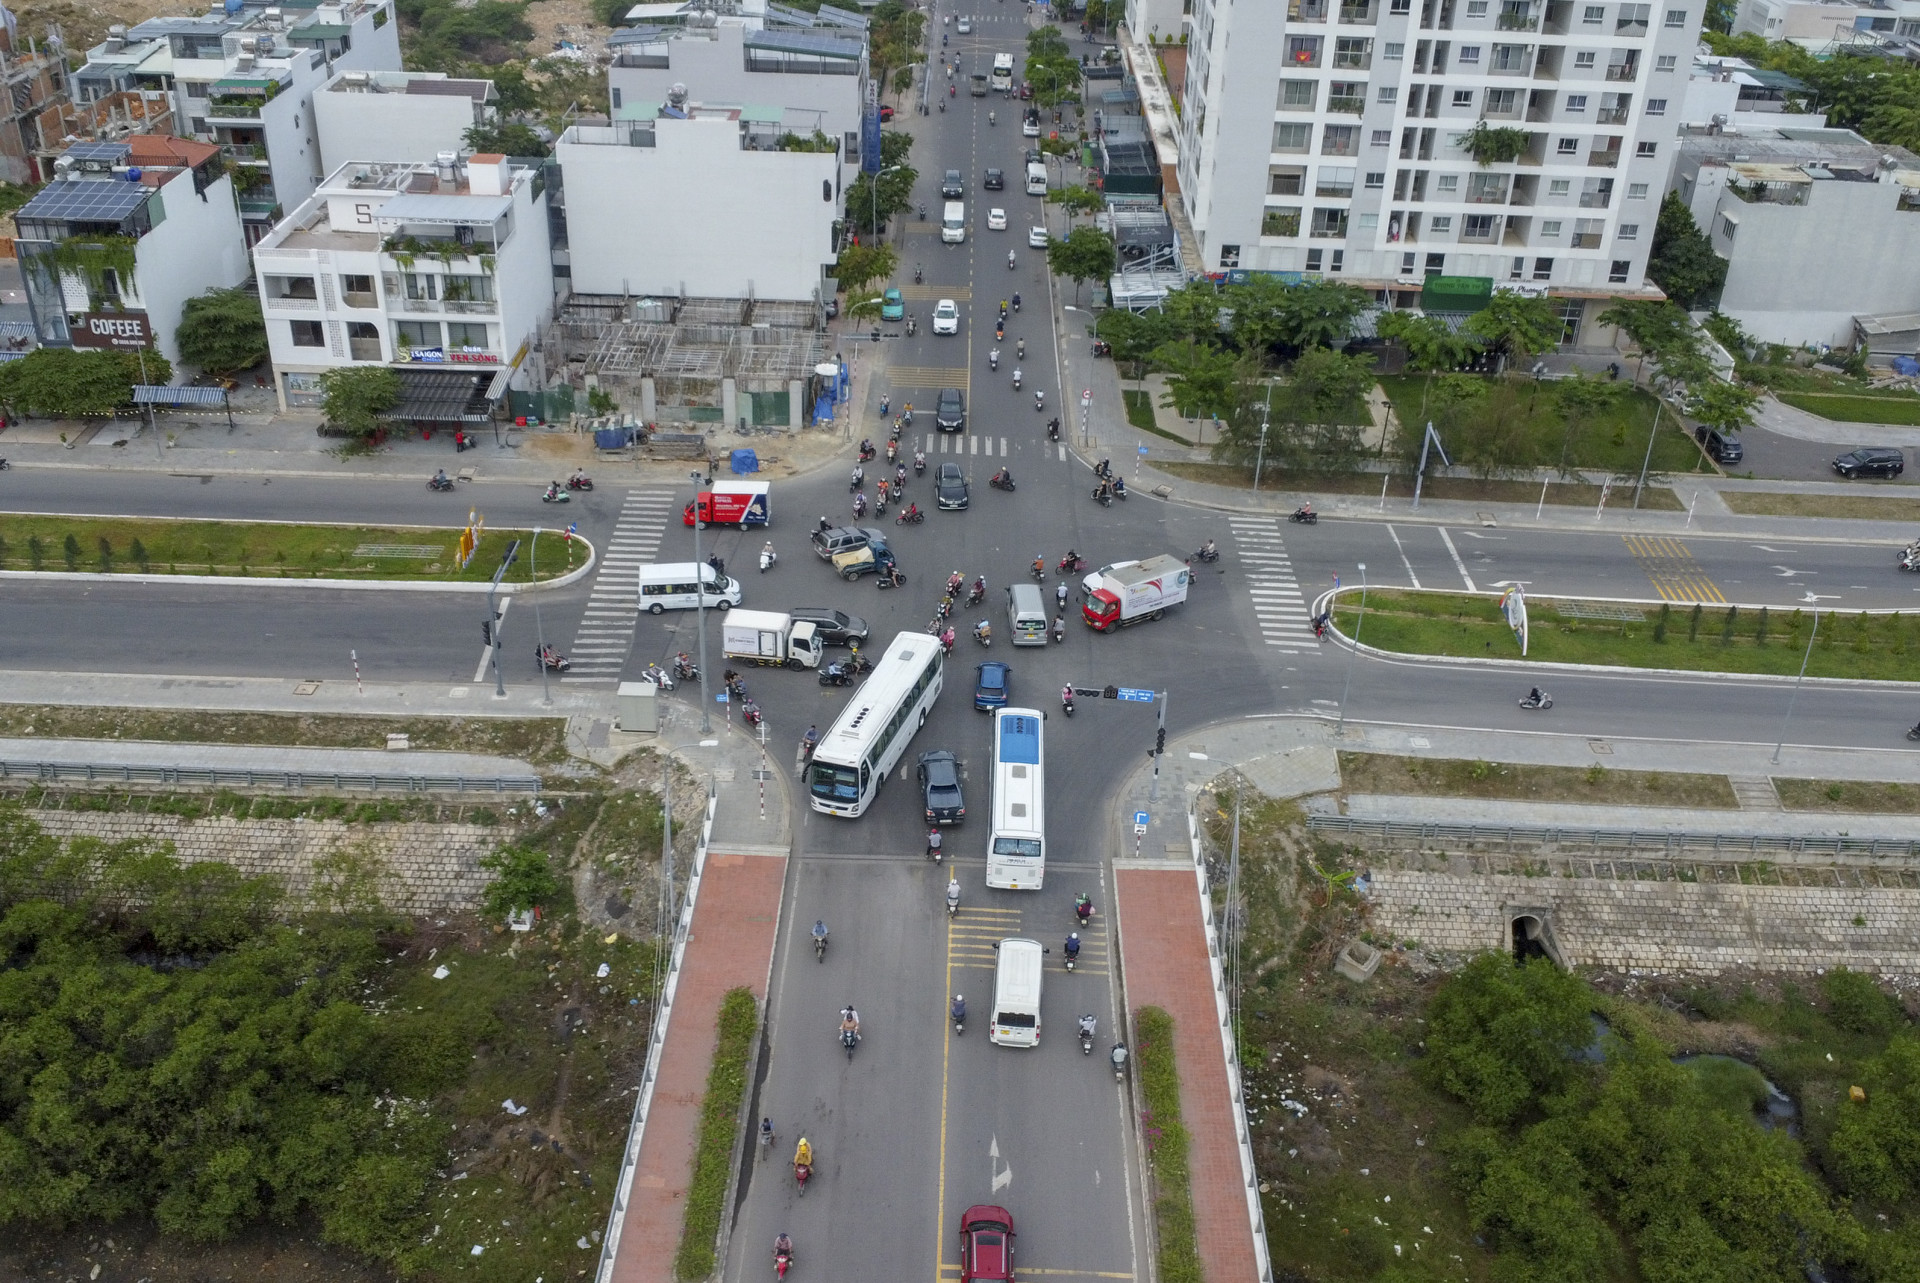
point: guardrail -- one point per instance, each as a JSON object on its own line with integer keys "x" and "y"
{"x": 1643, "y": 840}
{"x": 236, "y": 777}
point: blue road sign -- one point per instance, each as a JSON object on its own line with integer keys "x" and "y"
{"x": 1142, "y": 452}
{"x": 1137, "y": 696}
{"x": 721, "y": 698}
{"x": 1141, "y": 817}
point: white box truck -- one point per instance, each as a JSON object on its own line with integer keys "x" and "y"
{"x": 1132, "y": 593}
{"x": 771, "y": 638}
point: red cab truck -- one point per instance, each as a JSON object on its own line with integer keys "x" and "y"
{"x": 1134, "y": 593}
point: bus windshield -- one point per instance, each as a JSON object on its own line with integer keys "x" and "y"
{"x": 835, "y": 783}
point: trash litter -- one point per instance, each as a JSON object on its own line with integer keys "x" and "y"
{"x": 478, "y": 1249}
{"x": 511, "y": 1108}
{"x": 582, "y": 1243}
{"x": 604, "y": 971}
{"x": 440, "y": 972}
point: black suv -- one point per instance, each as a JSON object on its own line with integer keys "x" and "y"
{"x": 940, "y": 785}
{"x": 1871, "y": 461}
{"x": 838, "y": 539}
{"x": 953, "y": 187}
{"x": 996, "y": 180}
{"x": 1721, "y": 447}
{"x": 832, "y": 627}
{"x": 950, "y": 412}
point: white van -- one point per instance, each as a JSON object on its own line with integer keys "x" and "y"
{"x": 1036, "y": 179}
{"x": 953, "y": 222}
{"x": 670, "y": 586}
{"x": 1026, "y": 615}
{"x": 1016, "y": 994}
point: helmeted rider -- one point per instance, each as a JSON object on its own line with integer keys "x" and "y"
{"x": 958, "y": 1008}
{"x": 1073, "y": 944}
{"x": 1207, "y": 549}
{"x": 803, "y": 1153}
{"x": 1088, "y": 1024}
{"x": 1534, "y": 696}
{"x": 819, "y": 929}
{"x": 933, "y": 841}
{"x": 1083, "y": 906}
{"x": 953, "y": 890}
{"x": 850, "y": 1020}
{"x": 783, "y": 1246}
{"x": 980, "y": 586}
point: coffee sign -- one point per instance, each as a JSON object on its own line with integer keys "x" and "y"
{"x": 112, "y": 330}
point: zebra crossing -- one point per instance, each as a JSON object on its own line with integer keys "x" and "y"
{"x": 1278, "y": 605}
{"x": 606, "y": 629}
{"x": 963, "y": 443}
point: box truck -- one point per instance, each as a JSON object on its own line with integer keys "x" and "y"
{"x": 1131, "y": 593}
{"x": 733, "y": 503}
{"x": 771, "y": 638}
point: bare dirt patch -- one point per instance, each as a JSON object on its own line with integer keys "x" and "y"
{"x": 1849, "y": 796}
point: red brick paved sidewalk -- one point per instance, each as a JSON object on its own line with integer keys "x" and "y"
{"x": 730, "y": 943}
{"x": 1163, "y": 948}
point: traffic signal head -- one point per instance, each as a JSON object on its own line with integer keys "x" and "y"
{"x": 486, "y": 631}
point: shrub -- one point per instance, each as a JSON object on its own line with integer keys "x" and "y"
{"x": 719, "y": 1123}
{"x": 1153, "y": 1058}
{"x": 522, "y": 879}
{"x": 1501, "y": 1036}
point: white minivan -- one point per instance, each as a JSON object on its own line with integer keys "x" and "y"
{"x": 953, "y": 222}
{"x": 1036, "y": 179}
{"x": 1016, "y": 993}
{"x": 1026, "y": 615}
{"x": 670, "y": 586}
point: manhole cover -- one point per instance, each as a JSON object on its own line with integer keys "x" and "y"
{"x": 306, "y": 688}
{"x": 1418, "y": 741}
{"x": 1600, "y": 746}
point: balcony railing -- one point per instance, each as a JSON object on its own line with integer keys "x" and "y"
{"x": 248, "y": 110}
{"x": 1357, "y": 15}
{"x": 359, "y": 298}
{"x": 292, "y": 303}
{"x": 1487, "y": 198}
{"x": 1595, "y": 200}
{"x": 1586, "y": 240}
{"x": 1518, "y": 22}
{"x": 478, "y": 307}
{"x": 1307, "y": 11}
{"x": 244, "y": 151}
{"x": 1626, "y": 27}
{"x": 1346, "y": 105}
{"x": 1622, "y": 71}
{"x": 364, "y": 349}
{"x": 1611, "y": 115}
{"x": 1771, "y": 193}
{"x": 1604, "y": 159}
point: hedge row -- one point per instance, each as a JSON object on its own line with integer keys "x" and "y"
{"x": 1179, "y": 1247}
{"x": 719, "y": 1118}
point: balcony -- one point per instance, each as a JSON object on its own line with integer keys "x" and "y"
{"x": 1307, "y": 11}
{"x": 1622, "y": 71}
{"x": 1352, "y": 59}
{"x": 1595, "y": 200}
{"x": 237, "y": 109}
{"x": 472, "y": 307}
{"x": 1611, "y": 116}
{"x": 1345, "y": 105}
{"x": 1357, "y": 15}
{"x": 362, "y": 299}
{"x": 1492, "y": 197}
{"x": 244, "y": 153}
{"x": 1518, "y": 20}
{"x": 1586, "y": 240}
{"x": 1630, "y": 27}
{"x": 1511, "y": 60}
{"x": 1280, "y": 222}
{"x": 1778, "y": 193}
{"x": 1604, "y": 159}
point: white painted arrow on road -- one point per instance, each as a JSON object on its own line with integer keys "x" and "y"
{"x": 1788, "y": 572}
{"x": 1002, "y": 1173}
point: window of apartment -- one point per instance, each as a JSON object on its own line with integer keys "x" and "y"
{"x": 363, "y": 332}
{"x": 1542, "y": 269}
{"x": 467, "y": 334}
{"x": 308, "y": 333}
{"x": 1559, "y": 186}
{"x": 1347, "y": 96}
{"x": 1229, "y": 256}
{"x": 1519, "y": 268}
{"x": 616, "y": 97}
{"x": 1550, "y": 228}
{"x": 1636, "y": 191}
{"x": 1393, "y": 51}
{"x": 1676, "y": 17}
{"x": 1389, "y": 93}
{"x": 1376, "y": 179}
{"x": 1656, "y": 106}
{"x": 1476, "y": 8}
{"x": 1369, "y": 223}
{"x": 196, "y": 89}
{"x": 1441, "y": 224}
{"x": 1336, "y": 260}
{"x": 1645, "y": 151}
{"x": 1297, "y": 95}
{"x": 1500, "y": 102}
{"x": 468, "y": 289}
{"x": 411, "y": 334}
{"x": 1283, "y": 220}
{"x": 1469, "y": 55}
{"x": 1292, "y": 137}
{"x": 1436, "y": 264}
{"x": 1633, "y": 19}
{"x": 1594, "y": 15}
{"x": 1629, "y": 231}
{"x": 1567, "y": 146}
{"x": 1329, "y": 223}
{"x": 421, "y": 285}
{"x": 1449, "y": 184}
{"x": 1618, "y": 276}
{"x": 352, "y": 284}
{"x": 1408, "y": 264}
{"x": 1382, "y": 138}
{"x": 1665, "y": 62}
{"x": 1315, "y": 257}
{"x": 300, "y": 287}
{"x": 1333, "y": 180}
{"x": 1353, "y": 52}
{"x": 1288, "y": 181}
{"x": 1340, "y": 140}
{"x": 1477, "y": 227}
{"x": 1463, "y": 98}
{"x": 1303, "y": 51}
{"x": 1583, "y": 60}
{"x": 1728, "y": 227}
{"x": 1576, "y": 102}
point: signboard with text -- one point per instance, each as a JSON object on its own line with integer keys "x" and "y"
{"x": 127, "y": 330}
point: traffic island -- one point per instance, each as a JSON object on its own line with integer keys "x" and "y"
{"x": 719, "y": 1130}
{"x": 1176, "y": 1249}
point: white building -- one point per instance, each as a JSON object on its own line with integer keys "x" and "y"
{"x": 1817, "y": 23}
{"x": 171, "y": 199}
{"x": 1731, "y": 93}
{"x": 700, "y": 201}
{"x": 421, "y": 267}
{"x": 1333, "y": 139}
{"x": 1812, "y": 222}
{"x": 397, "y": 115}
{"x": 1160, "y": 20}
{"x": 245, "y": 81}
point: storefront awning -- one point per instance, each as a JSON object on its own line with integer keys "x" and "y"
{"x": 442, "y": 396}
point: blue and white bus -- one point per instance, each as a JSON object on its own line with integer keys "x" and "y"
{"x": 1002, "y": 81}
{"x": 1017, "y": 843}
{"x": 867, "y": 739}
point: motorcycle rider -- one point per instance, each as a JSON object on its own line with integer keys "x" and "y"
{"x": 819, "y": 929}
{"x": 946, "y": 640}
{"x": 440, "y": 478}
{"x": 860, "y": 505}
{"x": 803, "y": 1153}
{"x": 919, "y": 462}
{"x": 866, "y": 447}
{"x": 783, "y": 1247}
{"x": 1087, "y": 1025}
{"x": 983, "y": 631}
{"x": 1208, "y": 552}
{"x": 958, "y": 1008}
{"x": 1059, "y": 628}
{"x": 850, "y": 1021}
{"x": 1039, "y": 565}
{"x": 1004, "y": 477}
{"x": 859, "y": 477}
{"x": 953, "y": 895}
{"x": 1072, "y": 949}
{"x": 1322, "y": 622}
{"x": 933, "y": 841}
{"x": 553, "y": 489}
{"x": 1305, "y": 511}
{"x": 767, "y": 551}
{"x": 578, "y": 481}
{"x": 1083, "y": 906}
{"x": 993, "y": 358}
{"x": 1016, "y": 300}
{"x": 1066, "y": 696}
{"x": 1020, "y": 346}
{"x": 1016, "y": 378}
{"x": 1534, "y": 696}
{"x": 811, "y": 740}
{"x": 910, "y": 513}
{"x": 1060, "y": 595}
{"x": 899, "y": 477}
{"x": 979, "y": 590}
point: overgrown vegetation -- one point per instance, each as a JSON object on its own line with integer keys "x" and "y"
{"x": 1176, "y": 1241}
{"x": 719, "y": 1127}
{"x": 1508, "y": 427}
{"x": 222, "y": 331}
{"x": 66, "y": 383}
{"x": 1448, "y": 777}
{"x": 1683, "y": 263}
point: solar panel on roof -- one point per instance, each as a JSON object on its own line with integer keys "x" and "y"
{"x": 89, "y": 202}
{"x": 114, "y": 152}
{"x": 804, "y": 42}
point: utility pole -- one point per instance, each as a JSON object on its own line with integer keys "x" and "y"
{"x": 1353, "y": 647}
{"x": 1796, "y": 687}
{"x": 1159, "y": 745}
{"x": 1260, "y": 456}
{"x": 493, "y": 617}
{"x": 1658, "y": 405}
{"x": 539, "y": 629}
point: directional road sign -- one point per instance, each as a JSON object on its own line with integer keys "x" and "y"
{"x": 1137, "y": 696}
{"x": 1141, "y": 818}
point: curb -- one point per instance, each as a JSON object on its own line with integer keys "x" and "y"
{"x": 352, "y": 585}
{"x": 1324, "y": 601}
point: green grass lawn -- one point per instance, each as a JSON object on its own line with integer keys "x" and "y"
{"x": 1574, "y": 494}
{"x": 1851, "y": 645}
{"x": 109, "y": 545}
{"x": 1614, "y": 441}
{"x": 1140, "y": 414}
{"x": 1903, "y": 410}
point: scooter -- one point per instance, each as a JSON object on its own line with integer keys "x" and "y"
{"x": 983, "y": 635}
{"x": 1039, "y": 402}
{"x": 819, "y": 945}
{"x": 1914, "y": 734}
{"x": 440, "y": 483}
{"x": 555, "y": 496}
{"x": 803, "y": 1172}
{"x": 1070, "y": 564}
{"x": 976, "y": 596}
{"x": 1039, "y": 572}
{"x": 912, "y": 325}
{"x": 1118, "y": 1059}
{"x": 1086, "y": 1035}
{"x": 1060, "y": 637}
{"x": 919, "y": 464}
{"x": 1009, "y": 260}
{"x": 551, "y": 660}
{"x": 916, "y": 273}
{"x": 684, "y": 668}
{"x": 1304, "y": 516}
{"x": 1016, "y": 379}
{"x": 953, "y": 901}
{"x": 1066, "y": 700}
{"x": 1053, "y": 429}
{"x": 859, "y": 506}
{"x": 912, "y": 517}
{"x": 750, "y": 713}
{"x": 1001, "y": 483}
{"x": 993, "y": 360}
{"x": 856, "y": 480}
{"x": 1102, "y": 348}
{"x": 849, "y": 1040}
{"x": 782, "y": 1262}
{"x": 1207, "y": 555}
{"x": 578, "y": 482}
{"x": 1083, "y": 910}
{"x": 835, "y": 676}
{"x": 890, "y": 577}
{"x": 933, "y": 846}
{"x": 1532, "y": 705}
{"x": 866, "y": 453}
{"x": 1104, "y": 496}
{"x": 657, "y": 676}
{"x": 958, "y": 1013}
{"x": 1071, "y": 961}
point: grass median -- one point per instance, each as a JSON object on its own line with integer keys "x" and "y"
{"x": 1692, "y": 637}
{"x": 1177, "y": 1238}
{"x": 1841, "y": 408}
{"x": 1447, "y": 777}
{"x": 719, "y": 1124}
{"x": 1849, "y": 507}
{"x": 271, "y": 550}
{"x": 1576, "y": 494}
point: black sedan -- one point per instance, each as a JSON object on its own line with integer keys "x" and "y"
{"x": 1871, "y": 461}
{"x": 996, "y": 180}
{"x": 832, "y": 627}
{"x": 950, "y": 487}
{"x": 940, "y": 783}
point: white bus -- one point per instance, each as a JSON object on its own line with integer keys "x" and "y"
{"x": 871, "y": 733}
{"x": 1017, "y": 843}
{"x": 1003, "y": 72}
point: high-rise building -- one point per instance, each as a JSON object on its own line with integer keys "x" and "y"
{"x": 1383, "y": 142}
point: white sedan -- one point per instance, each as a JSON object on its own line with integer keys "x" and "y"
{"x": 1037, "y": 237}
{"x": 946, "y": 317}
{"x": 965, "y": 27}
{"x": 996, "y": 220}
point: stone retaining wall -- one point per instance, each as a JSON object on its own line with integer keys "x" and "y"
{"x": 426, "y": 868}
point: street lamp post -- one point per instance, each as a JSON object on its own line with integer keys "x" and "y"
{"x": 1260, "y": 455}
{"x": 1796, "y": 687}
{"x": 873, "y": 205}
{"x": 539, "y": 629}
{"x": 700, "y": 603}
{"x": 1353, "y": 649}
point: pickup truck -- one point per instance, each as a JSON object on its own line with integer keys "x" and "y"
{"x": 1129, "y": 594}
{"x": 770, "y": 638}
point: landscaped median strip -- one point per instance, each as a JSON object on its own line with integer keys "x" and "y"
{"x": 1678, "y": 636}
{"x": 719, "y": 1124}
{"x": 1178, "y": 1245}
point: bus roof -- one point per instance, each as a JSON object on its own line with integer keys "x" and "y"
{"x": 1019, "y": 736}
{"x": 874, "y": 699}
{"x": 1003, "y": 60}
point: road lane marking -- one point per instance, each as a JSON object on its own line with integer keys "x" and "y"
{"x": 1411, "y": 577}
{"x": 1670, "y": 566}
{"x": 1459, "y": 565}
{"x": 605, "y": 632}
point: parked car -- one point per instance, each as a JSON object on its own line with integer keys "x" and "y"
{"x": 964, "y": 27}
{"x": 893, "y": 304}
{"x": 946, "y": 317}
{"x": 950, "y": 487}
{"x": 1034, "y": 157}
{"x": 838, "y": 539}
{"x": 986, "y": 1245}
{"x": 992, "y": 685}
{"x": 996, "y": 180}
{"x": 952, "y": 186}
{"x": 1871, "y": 461}
{"x": 1721, "y": 447}
{"x": 886, "y": 113}
{"x": 950, "y": 412}
{"x": 996, "y": 220}
{"x": 1037, "y": 237}
{"x": 940, "y": 787}
{"x": 832, "y": 627}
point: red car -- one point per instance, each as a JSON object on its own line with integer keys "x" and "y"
{"x": 886, "y": 113}
{"x": 986, "y": 1244}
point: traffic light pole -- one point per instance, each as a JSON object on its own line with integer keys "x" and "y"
{"x": 492, "y": 625}
{"x": 1159, "y": 745}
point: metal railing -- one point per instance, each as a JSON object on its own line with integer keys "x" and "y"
{"x": 238, "y": 777}
{"x": 1645, "y": 840}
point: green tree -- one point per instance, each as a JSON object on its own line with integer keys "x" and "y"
{"x": 1051, "y": 68}
{"x": 522, "y": 879}
{"x": 222, "y": 331}
{"x": 1431, "y": 343}
{"x": 1317, "y": 416}
{"x": 1133, "y": 336}
{"x": 1661, "y": 330}
{"x": 1259, "y": 321}
{"x": 355, "y": 396}
{"x": 1530, "y": 1203}
{"x": 506, "y": 138}
{"x": 872, "y": 200}
{"x": 1581, "y": 398}
{"x": 859, "y": 266}
{"x": 1683, "y": 263}
{"x": 1500, "y": 1036}
{"x": 1321, "y": 313}
{"x": 1199, "y": 377}
{"x": 1875, "y": 1148}
{"x": 1722, "y": 405}
{"x": 1077, "y": 200}
{"x": 1518, "y": 324}
{"x": 61, "y": 383}
{"x": 1084, "y": 254}
{"x": 1196, "y": 311}
{"x": 1496, "y": 438}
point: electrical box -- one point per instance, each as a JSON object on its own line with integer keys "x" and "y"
{"x": 637, "y": 708}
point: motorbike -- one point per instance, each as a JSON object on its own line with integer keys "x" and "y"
{"x": 750, "y": 713}
{"x": 684, "y": 668}
{"x": 1066, "y": 700}
{"x": 946, "y": 642}
{"x": 953, "y": 901}
{"x": 906, "y": 418}
{"x": 782, "y": 1262}
{"x": 803, "y": 1172}
{"x": 1016, "y": 380}
{"x": 958, "y": 1013}
{"x": 1119, "y": 488}
{"x": 1536, "y": 705}
{"x": 1910, "y": 558}
{"x": 1102, "y": 348}
{"x": 1071, "y": 960}
{"x": 1321, "y": 623}
{"x": 856, "y": 480}
{"x": 1082, "y": 909}
{"x": 1207, "y": 555}
{"x": 867, "y": 452}
{"x": 1039, "y": 402}
{"x": 934, "y": 852}
{"x": 976, "y": 595}
{"x": 912, "y": 517}
{"x": 919, "y": 464}
{"x": 1009, "y": 260}
{"x": 1016, "y": 302}
{"x": 1086, "y": 1035}
{"x": 578, "y": 482}
{"x": 1071, "y": 564}
{"x": 893, "y": 449}
{"x": 834, "y": 675}
{"x": 1053, "y": 429}
{"x": 1304, "y": 516}
{"x": 849, "y": 1040}
{"x": 1914, "y": 734}
{"x": 552, "y": 660}
{"x": 890, "y": 577}
{"x": 859, "y": 506}
{"x": 768, "y": 558}
{"x": 657, "y": 676}
{"x": 1039, "y": 571}
{"x": 554, "y": 495}
{"x": 916, "y": 273}
{"x": 820, "y": 948}
{"x": 1104, "y": 496}
{"x": 439, "y": 483}
{"x": 899, "y": 478}
{"x": 983, "y": 635}
{"x": 1118, "y": 1059}
{"x": 912, "y": 326}
{"x": 880, "y": 508}
{"x": 993, "y": 360}
{"x": 1001, "y": 483}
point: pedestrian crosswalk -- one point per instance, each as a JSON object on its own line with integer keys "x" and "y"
{"x": 964, "y": 443}
{"x": 1277, "y": 602}
{"x": 606, "y": 630}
